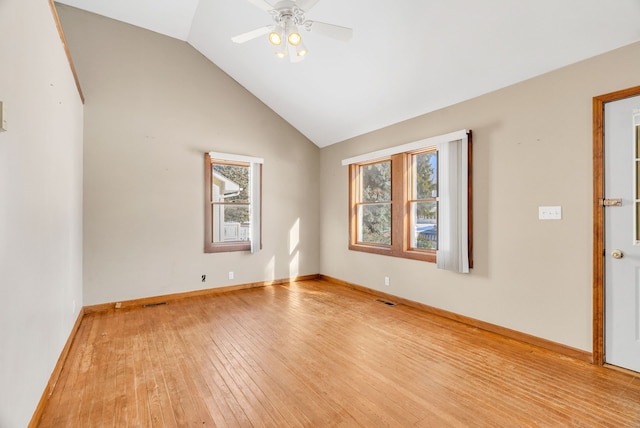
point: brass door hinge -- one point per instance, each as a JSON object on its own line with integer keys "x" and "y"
{"x": 610, "y": 202}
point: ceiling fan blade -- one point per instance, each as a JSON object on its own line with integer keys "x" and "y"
{"x": 262, "y": 4}
{"x": 250, "y": 35}
{"x": 306, "y": 5}
{"x": 330, "y": 30}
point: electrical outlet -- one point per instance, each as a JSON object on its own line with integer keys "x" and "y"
{"x": 230, "y": 274}
{"x": 386, "y": 281}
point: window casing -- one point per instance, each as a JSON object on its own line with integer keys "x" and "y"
{"x": 406, "y": 223}
{"x": 232, "y": 209}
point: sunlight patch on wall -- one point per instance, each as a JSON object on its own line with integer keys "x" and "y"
{"x": 294, "y": 266}
{"x": 294, "y": 236}
{"x": 294, "y": 242}
{"x": 270, "y": 269}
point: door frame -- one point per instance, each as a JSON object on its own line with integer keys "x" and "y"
{"x": 599, "y": 102}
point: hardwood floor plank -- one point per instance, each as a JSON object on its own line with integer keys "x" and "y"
{"x": 311, "y": 354}
{"x": 142, "y": 384}
{"x": 259, "y": 328}
{"x": 160, "y": 368}
{"x": 268, "y": 387}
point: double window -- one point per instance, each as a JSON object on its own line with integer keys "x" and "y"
{"x": 232, "y": 203}
{"x": 412, "y": 201}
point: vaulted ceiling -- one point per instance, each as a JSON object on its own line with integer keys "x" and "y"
{"x": 406, "y": 57}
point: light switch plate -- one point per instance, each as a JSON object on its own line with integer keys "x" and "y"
{"x": 550, "y": 213}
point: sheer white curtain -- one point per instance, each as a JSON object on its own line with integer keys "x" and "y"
{"x": 453, "y": 232}
{"x": 255, "y": 207}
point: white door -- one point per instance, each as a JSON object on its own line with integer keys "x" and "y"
{"x": 622, "y": 233}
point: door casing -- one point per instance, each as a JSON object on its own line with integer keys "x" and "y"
{"x": 599, "y": 102}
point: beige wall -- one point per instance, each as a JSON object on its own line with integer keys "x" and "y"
{"x": 532, "y": 147}
{"x": 40, "y": 205}
{"x": 154, "y": 105}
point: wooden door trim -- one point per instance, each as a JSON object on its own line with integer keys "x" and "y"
{"x": 56, "y": 19}
{"x": 598, "y": 217}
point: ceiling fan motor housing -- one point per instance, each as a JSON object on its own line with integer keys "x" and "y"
{"x": 287, "y": 12}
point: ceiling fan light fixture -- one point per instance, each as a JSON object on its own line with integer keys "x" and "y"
{"x": 284, "y": 34}
{"x": 301, "y": 50}
{"x": 294, "y": 38}
{"x": 275, "y": 38}
{"x": 282, "y": 51}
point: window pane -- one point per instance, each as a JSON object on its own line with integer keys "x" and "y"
{"x": 425, "y": 175}
{"x": 374, "y": 224}
{"x": 424, "y": 225}
{"x": 230, "y": 183}
{"x": 376, "y": 182}
{"x": 231, "y": 223}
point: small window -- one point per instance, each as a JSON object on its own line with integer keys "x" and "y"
{"x": 232, "y": 203}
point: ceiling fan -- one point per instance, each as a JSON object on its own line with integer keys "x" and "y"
{"x": 284, "y": 34}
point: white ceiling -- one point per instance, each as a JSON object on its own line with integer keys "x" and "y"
{"x": 406, "y": 57}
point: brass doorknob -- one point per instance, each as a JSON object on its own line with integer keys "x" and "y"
{"x": 617, "y": 254}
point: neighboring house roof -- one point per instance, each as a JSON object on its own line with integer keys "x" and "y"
{"x": 227, "y": 186}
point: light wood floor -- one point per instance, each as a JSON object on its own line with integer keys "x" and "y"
{"x": 317, "y": 354}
